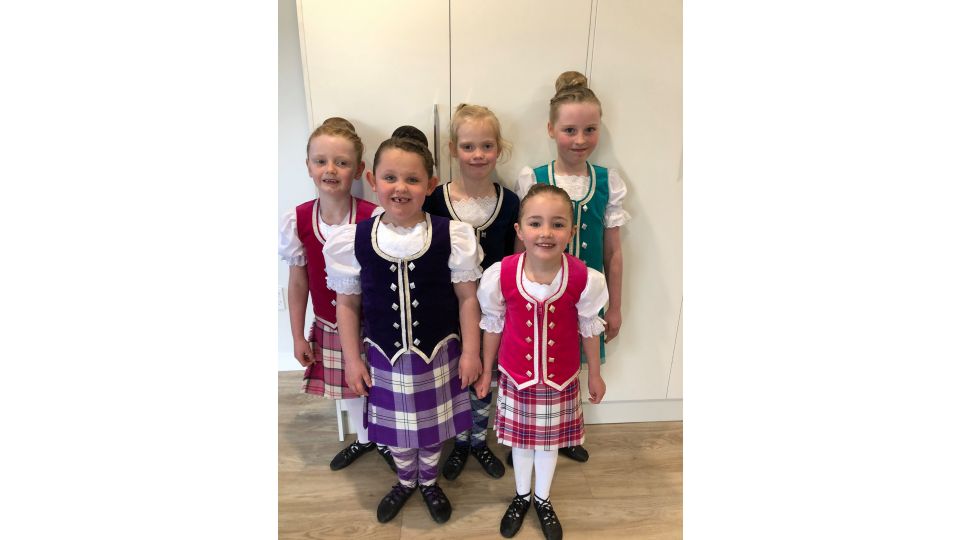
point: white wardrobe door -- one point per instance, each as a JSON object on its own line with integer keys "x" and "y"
{"x": 636, "y": 72}
{"x": 506, "y": 55}
{"x": 378, "y": 63}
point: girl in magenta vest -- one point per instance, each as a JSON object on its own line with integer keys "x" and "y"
{"x": 597, "y": 194}
{"x": 539, "y": 307}
{"x": 411, "y": 278}
{"x": 334, "y": 153}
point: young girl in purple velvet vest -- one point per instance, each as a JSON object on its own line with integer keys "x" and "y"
{"x": 538, "y": 308}
{"x": 334, "y": 161}
{"x": 475, "y": 198}
{"x": 415, "y": 277}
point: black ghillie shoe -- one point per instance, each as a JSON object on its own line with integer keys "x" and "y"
{"x": 387, "y": 456}
{"x": 490, "y": 463}
{"x": 437, "y": 503}
{"x": 392, "y": 502}
{"x": 455, "y": 463}
{"x": 513, "y": 518}
{"x": 549, "y": 523}
{"x": 576, "y": 453}
{"x": 350, "y": 454}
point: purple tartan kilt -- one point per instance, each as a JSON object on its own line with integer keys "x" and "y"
{"x": 413, "y": 404}
{"x": 326, "y": 376}
{"x": 538, "y": 417}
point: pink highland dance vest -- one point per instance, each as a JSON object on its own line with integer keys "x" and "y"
{"x": 541, "y": 340}
{"x": 308, "y": 229}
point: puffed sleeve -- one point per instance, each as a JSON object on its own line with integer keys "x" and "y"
{"x": 524, "y": 181}
{"x": 465, "y": 253}
{"x": 492, "y": 307}
{"x": 593, "y": 297}
{"x": 291, "y": 249}
{"x": 343, "y": 270}
{"x": 615, "y": 215}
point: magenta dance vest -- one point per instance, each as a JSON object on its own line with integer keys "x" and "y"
{"x": 323, "y": 299}
{"x": 541, "y": 340}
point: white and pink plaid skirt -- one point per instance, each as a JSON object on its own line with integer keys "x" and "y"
{"x": 538, "y": 417}
{"x": 325, "y": 377}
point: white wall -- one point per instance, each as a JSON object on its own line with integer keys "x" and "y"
{"x": 293, "y": 184}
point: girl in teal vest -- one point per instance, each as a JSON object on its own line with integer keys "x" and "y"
{"x": 597, "y": 194}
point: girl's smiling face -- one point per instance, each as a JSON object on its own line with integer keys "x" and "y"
{"x": 402, "y": 184}
{"x": 545, "y": 226}
{"x": 577, "y": 132}
{"x": 332, "y": 164}
{"x": 476, "y": 149}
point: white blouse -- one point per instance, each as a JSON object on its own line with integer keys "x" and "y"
{"x": 343, "y": 270}
{"x": 475, "y": 210}
{"x": 291, "y": 248}
{"x": 577, "y": 186}
{"x": 493, "y": 308}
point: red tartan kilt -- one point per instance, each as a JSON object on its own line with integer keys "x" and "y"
{"x": 326, "y": 376}
{"x": 538, "y": 417}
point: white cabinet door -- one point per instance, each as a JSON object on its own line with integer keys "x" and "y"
{"x": 636, "y": 72}
{"x": 506, "y": 55}
{"x": 378, "y": 63}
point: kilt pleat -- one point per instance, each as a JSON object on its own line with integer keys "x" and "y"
{"x": 538, "y": 417}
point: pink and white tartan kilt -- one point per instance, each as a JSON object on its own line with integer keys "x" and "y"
{"x": 538, "y": 417}
{"x": 325, "y": 377}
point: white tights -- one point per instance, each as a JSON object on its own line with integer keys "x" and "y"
{"x": 525, "y": 461}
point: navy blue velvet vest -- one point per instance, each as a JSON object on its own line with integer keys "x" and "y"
{"x": 496, "y": 235}
{"x": 409, "y": 304}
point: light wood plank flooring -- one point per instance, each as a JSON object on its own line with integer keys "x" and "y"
{"x": 630, "y": 488}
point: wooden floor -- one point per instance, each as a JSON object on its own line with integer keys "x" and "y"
{"x": 630, "y": 488}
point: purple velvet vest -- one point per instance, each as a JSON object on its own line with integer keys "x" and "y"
{"x": 409, "y": 304}
{"x": 323, "y": 299}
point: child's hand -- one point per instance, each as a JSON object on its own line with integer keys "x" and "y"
{"x": 613, "y": 319}
{"x": 358, "y": 378}
{"x": 303, "y": 352}
{"x": 597, "y": 388}
{"x": 482, "y": 386}
{"x": 469, "y": 369}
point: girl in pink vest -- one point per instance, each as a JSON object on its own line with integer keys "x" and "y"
{"x": 538, "y": 307}
{"x": 334, "y": 161}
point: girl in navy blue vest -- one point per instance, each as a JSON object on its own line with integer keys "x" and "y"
{"x": 334, "y": 161}
{"x": 414, "y": 276}
{"x": 475, "y": 198}
{"x": 539, "y": 307}
{"x": 597, "y": 195}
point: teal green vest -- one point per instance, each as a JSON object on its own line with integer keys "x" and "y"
{"x": 588, "y": 213}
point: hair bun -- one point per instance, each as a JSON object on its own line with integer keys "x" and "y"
{"x": 337, "y": 122}
{"x": 570, "y": 79}
{"x": 412, "y": 133}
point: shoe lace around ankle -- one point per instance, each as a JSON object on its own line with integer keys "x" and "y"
{"x": 517, "y": 506}
{"x": 458, "y": 457}
{"x": 355, "y": 448}
{"x": 548, "y": 516}
{"x": 433, "y": 494}
{"x": 399, "y": 492}
{"x": 484, "y": 455}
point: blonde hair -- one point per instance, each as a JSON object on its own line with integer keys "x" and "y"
{"x": 571, "y": 88}
{"x": 338, "y": 127}
{"x": 478, "y": 113}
